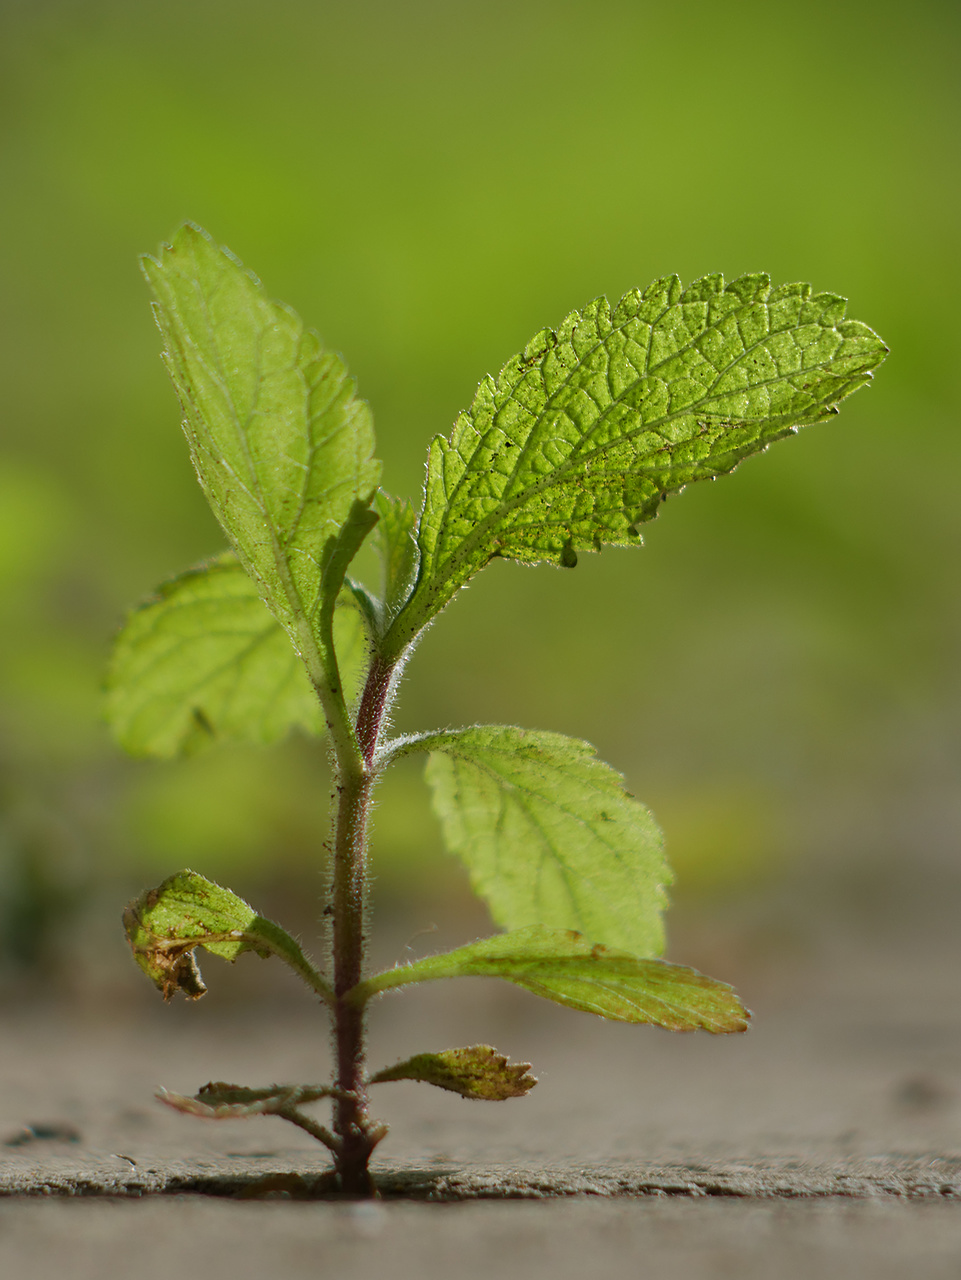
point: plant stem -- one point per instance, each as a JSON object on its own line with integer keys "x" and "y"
{"x": 357, "y": 1132}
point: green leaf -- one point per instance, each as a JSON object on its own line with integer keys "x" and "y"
{"x": 549, "y": 834}
{"x": 564, "y": 966}
{"x": 166, "y": 924}
{"x": 396, "y": 541}
{"x": 584, "y": 433}
{"x": 204, "y": 661}
{"x": 281, "y": 444}
{"x": 478, "y": 1071}
{"x": 341, "y": 550}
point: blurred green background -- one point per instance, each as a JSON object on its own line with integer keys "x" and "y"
{"x": 776, "y": 673}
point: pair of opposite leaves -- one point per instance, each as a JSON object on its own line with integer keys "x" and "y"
{"x": 574, "y": 445}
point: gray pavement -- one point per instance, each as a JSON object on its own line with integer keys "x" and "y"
{"x": 825, "y": 1142}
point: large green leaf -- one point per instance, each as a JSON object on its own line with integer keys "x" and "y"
{"x": 584, "y": 433}
{"x": 563, "y": 966}
{"x": 205, "y": 662}
{"x": 165, "y": 925}
{"x": 549, "y": 834}
{"x": 282, "y": 445}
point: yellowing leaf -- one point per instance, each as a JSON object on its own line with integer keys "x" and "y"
{"x": 478, "y": 1071}
{"x": 165, "y": 925}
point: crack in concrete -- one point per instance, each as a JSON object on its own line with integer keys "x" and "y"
{"x": 892, "y": 1176}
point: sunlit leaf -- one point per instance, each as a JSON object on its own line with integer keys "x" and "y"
{"x": 282, "y": 445}
{"x": 205, "y": 662}
{"x": 549, "y": 834}
{"x": 396, "y": 541}
{"x": 583, "y": 434}
{"x": 563, "y": 966}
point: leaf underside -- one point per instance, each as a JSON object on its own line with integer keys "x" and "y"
{"x": 166, "y": 924}
{"x": 549, "y": 835}
{"x": 282, "y": 445}
{"x": 583, "y": 434}
{"x": 477, "y": 1071}
{"x": 205, "y": 662}
{"x": 565, "y": 967}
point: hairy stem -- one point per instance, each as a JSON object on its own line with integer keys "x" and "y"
{"x": 357, "y": 1133}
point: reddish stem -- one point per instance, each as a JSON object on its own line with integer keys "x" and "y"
{"x": 357, "y": 1132}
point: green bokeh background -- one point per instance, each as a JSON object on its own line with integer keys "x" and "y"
{"x": 427, "y": 183}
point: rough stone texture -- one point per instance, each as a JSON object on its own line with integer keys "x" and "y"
{"x": 291, "y": 1176}
{"x": 294, "y": 1178}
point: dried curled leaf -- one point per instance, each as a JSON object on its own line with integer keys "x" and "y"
{"x": 477, "y": 1071}
{"x": 219, "y": 1101}
{"x": 166, "y": 924}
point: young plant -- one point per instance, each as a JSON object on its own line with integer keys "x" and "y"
{"x": 574, "y": 445}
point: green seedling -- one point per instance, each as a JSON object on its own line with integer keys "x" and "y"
{"x": 575, "y": 444}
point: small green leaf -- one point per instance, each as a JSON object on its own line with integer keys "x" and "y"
{"x": 342, "y": 549}
{"x": 204, "y": 662}
{"x": 282, "y": 445}
{"x": 396, "y": 541}
{"x": 563, "y": 966}
{"x": 166, "y": 924}
{"x": 365, "y": 601}
{"x": 584, "y": 433}
{"x": 478, "y": 1071}
{"x": 549, "y": 834}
